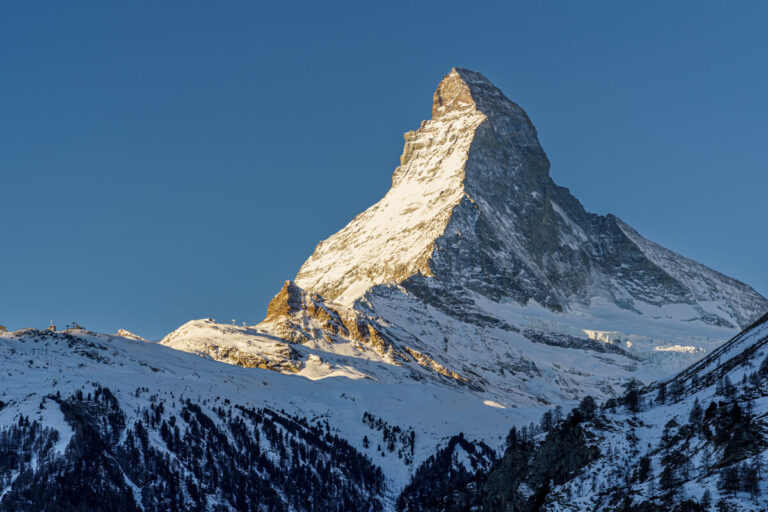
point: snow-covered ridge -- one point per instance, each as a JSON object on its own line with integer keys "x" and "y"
{"x": 123, "y": 333}
{"x": 715, "y": 294}
{"x": 37, "y": 364}
{"x": 738, "y": 352}
{"x": 242, "y": 346}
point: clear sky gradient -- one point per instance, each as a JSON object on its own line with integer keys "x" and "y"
{"x": 164, "y": 161}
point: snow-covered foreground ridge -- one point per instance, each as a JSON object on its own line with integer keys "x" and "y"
{"x": 89, "y": 421}
{"x": 161, "y": 429}
{"x": 477, "y": 271}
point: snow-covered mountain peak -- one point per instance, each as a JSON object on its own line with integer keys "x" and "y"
{"x": 472, "y": 210}
{"x": 476, "y": 271}
{"x": 395, "y": 239}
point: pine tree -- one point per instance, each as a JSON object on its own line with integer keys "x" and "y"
{"x": 728, "y": 389}
{"x": 557, "y": 416}
{"x": 512, "y": 438}
{"x": 729, "y": 479}
{"x": 696, "y": 417}
{"x": 644, "y": 469}
{"x": 632, "y": 395}
{"x": 547, "y": 421}
{"x": 677, "y": 390}
{"x": 588, "y": 407}
{"x": 749, "y": 480}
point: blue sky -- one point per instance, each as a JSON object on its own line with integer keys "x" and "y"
{"x": 163, "y": 161}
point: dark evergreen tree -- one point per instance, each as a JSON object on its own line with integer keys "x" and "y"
{"x": 547, "y": 421}
{"x": 643, "y": 470}
{"x": 696, "y": 417}
{"x": 631, "y": 396}
{"x": 588, "y": 407}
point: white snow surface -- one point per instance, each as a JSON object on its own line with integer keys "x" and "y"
{"x": 631, "y": 435}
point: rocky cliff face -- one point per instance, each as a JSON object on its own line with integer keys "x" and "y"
{"x": 472, "y": 209}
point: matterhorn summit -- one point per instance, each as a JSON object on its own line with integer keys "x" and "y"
{"x": 472, "y": 211}
{"x": 444, "y": 179}
{"x": 477, "y": 270}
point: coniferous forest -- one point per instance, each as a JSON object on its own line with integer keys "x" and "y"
{"x": 214, "y": 456}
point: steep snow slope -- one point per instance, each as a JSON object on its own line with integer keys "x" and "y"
{"x": 717, "y": 296}
{"x": 695, "y": 430}
{"x": 696, "y": 442}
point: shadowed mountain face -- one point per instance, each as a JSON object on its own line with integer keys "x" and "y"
{"x": 472, "y": 210}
